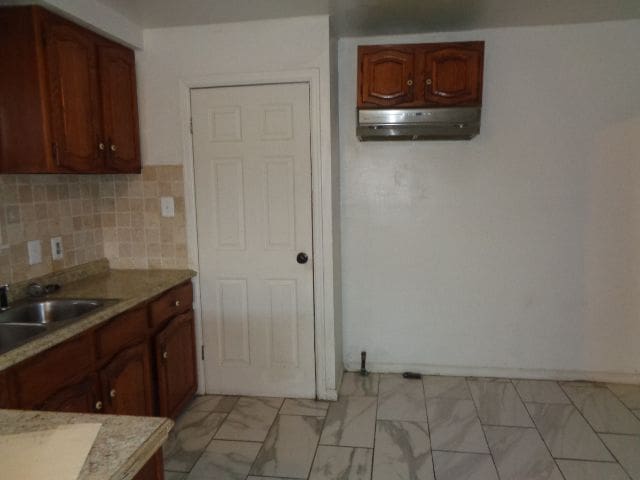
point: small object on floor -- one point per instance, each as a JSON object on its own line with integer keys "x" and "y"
{"x": 363, "y": 363}
{"x": 412, "y": 375}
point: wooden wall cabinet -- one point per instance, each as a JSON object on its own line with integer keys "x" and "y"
{"x": 68, "y": 97}
{"x": 420, "y": 75}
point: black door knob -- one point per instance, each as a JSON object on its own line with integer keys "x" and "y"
{"x": 302, "y": 257}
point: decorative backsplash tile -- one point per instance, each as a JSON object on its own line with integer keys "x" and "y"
{"x": 113, "y": 216}
{"x": 38, "y": 207}
{"x": 136, "y": 235}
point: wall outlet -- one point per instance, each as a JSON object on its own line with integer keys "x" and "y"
{"x": 34, "y": 249}
{"x": 56, "y": 248}
{"x": 167, "y": 207}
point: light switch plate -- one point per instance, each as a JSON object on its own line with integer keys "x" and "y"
{"x": 56, "y": 248}
{"x": 34, "y": 249}
{"x": 167, "y": 207}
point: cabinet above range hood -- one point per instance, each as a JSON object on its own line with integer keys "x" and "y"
{"x": 420, "y": 91}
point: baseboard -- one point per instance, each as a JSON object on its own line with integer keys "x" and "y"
{"x": 539, "y": 374}
{"x": 330, "y": 394}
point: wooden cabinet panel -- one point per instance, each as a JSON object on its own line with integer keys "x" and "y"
{"x": 420, "y": 75}
{"x": 69, "y": 91}
{"x": 126, "y": 382}
{"x": 41, "y": 376}
{"x": 83, "y": 397}
{"x": 73, "y": 96}
{"x": 119, "y": 108}
{"x": 175, "y": 301}
{"x": 153, "y": 469}
{"x": 453, "y": 74}
{"x": 386, "y": 75}
{"x": 5, "y": 399}
{"x": 176, "y": 363}
{"x": 126, "y": 329}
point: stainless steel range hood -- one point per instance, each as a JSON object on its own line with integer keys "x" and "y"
{"x": 456, "y": 123}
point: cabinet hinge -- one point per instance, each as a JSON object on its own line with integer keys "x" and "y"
{"x": 191, "y": 125}
{"x": 202, "y": 352}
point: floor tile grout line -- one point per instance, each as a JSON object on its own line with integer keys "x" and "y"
{"x": 273, "y": 422}
{"x": 538, "y": 430}
{"x": 426, "y": 411}
{"x": 484, "y": 433}
{"x": 375, "y": 425}
{"x": 620, "y": 399}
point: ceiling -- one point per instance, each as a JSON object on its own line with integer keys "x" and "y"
{"x": 379, "y": 17}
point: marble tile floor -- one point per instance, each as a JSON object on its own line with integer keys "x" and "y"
{"x": 385, "y": 427}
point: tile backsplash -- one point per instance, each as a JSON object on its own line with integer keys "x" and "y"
{"x": 112, "y": 216}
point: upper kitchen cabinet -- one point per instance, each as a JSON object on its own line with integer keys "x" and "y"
{"x": 420, "y": 75}
{"x": 386, "y": 75}
{"x": 67, "y": 97}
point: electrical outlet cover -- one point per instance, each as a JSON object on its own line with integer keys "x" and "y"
{"x": 34, "y": 249}
{"x": 56, "y": 248}
{"x": 167, "y": 206}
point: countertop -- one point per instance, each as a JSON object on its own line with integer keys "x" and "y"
{"x": 129, "y": 287}
{"x": 123, "y": 446}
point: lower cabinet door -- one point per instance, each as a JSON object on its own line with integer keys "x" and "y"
{"x": 126, "y": 382}
{"x": 176, "y": 361}
{"x": 5, "y": 401}
{"x": 153, "y": 469}
{"x": 82, "y": 397}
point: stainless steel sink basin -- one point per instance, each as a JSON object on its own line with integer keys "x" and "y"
{"x": 48, "y": 311}
{"x": 26, "y": 320}
{"x": 13, "y": 335}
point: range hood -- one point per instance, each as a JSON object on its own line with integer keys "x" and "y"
{"x": 449, "y": 123}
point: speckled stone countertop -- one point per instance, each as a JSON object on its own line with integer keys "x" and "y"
{"x": 123, "y": 446}
{"x": 129, "y": 287}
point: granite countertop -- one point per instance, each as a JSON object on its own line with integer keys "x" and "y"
{"x": 129, "y": 287}
{"x": 123, "y": 446}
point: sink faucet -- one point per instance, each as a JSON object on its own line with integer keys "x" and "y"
{"x": 4, "y": 297}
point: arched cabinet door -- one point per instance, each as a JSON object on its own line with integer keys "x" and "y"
{"x": 453, "y": 75}
{"x": 386, "y": 76}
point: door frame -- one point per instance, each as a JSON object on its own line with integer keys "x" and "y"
{"x": 321, "y": 211}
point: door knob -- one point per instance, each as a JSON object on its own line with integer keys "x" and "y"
{"x": 98, "y": 405}
{"x": 302, "y": 258}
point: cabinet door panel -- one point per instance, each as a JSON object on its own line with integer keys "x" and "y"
{"x": 386, "y": 76}
{"x": 79, "y": 398}
{"x": 176, "y": 361}
{"x": 126, "y": 382}
{"x": 5, "y": 401}
{"x": 119, "y": 108}
{"x": 453, "y": 75}
{"x": 71, "y": 67}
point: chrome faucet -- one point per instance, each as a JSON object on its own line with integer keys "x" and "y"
{"x": 4, "y": 297}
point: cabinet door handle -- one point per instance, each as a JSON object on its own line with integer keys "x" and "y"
{"x": 409, "y": 82}
{"x": 112, "y": 393}
{"x": 176, "y": 303}
{"x": 113, "y": 147}
{"x": 428, "y": 81}
{"x": 98, "y": 405}
{"x": 165, "y": 354}
{"x": 101, "y": 146}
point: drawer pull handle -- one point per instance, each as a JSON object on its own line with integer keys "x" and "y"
{"x": 176, "y": 303}
{"x": 165, "y": 355}
{"x": 113, "y": 393}
{"x": 98, "y": 405}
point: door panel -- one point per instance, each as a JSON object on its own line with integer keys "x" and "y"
{"x": 386, "y": 76}
{"x": 453, "y": 76}
{"x": 253, "y": 192}
{"x": 119, "y": 108}
{"x": 126, "y": 382}
{"x": 71, "y": 66}
{"x": 79, "y": 398}
{"x": 176, "y": 360}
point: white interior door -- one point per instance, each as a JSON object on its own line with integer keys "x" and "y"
{"x": 252, "y": 166}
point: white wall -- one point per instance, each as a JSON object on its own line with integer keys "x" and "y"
{"x": 258, "y": 49}
{"x": 516, "y": 253}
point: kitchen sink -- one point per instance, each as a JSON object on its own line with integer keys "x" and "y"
{"x": 48, "y": 311}
{"x": 25, "y": 320}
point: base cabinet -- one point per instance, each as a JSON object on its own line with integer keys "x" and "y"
{"x": 176, "y": 363}
{"x": 153, "y": 469}
{"x": 82, "y": 397}
{"x": 126, "y": 382}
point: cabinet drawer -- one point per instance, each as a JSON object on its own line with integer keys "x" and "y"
{"x": 38, "y": 378}
{"x": 171, "y": 303}
{"x": 126, "y": 329}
